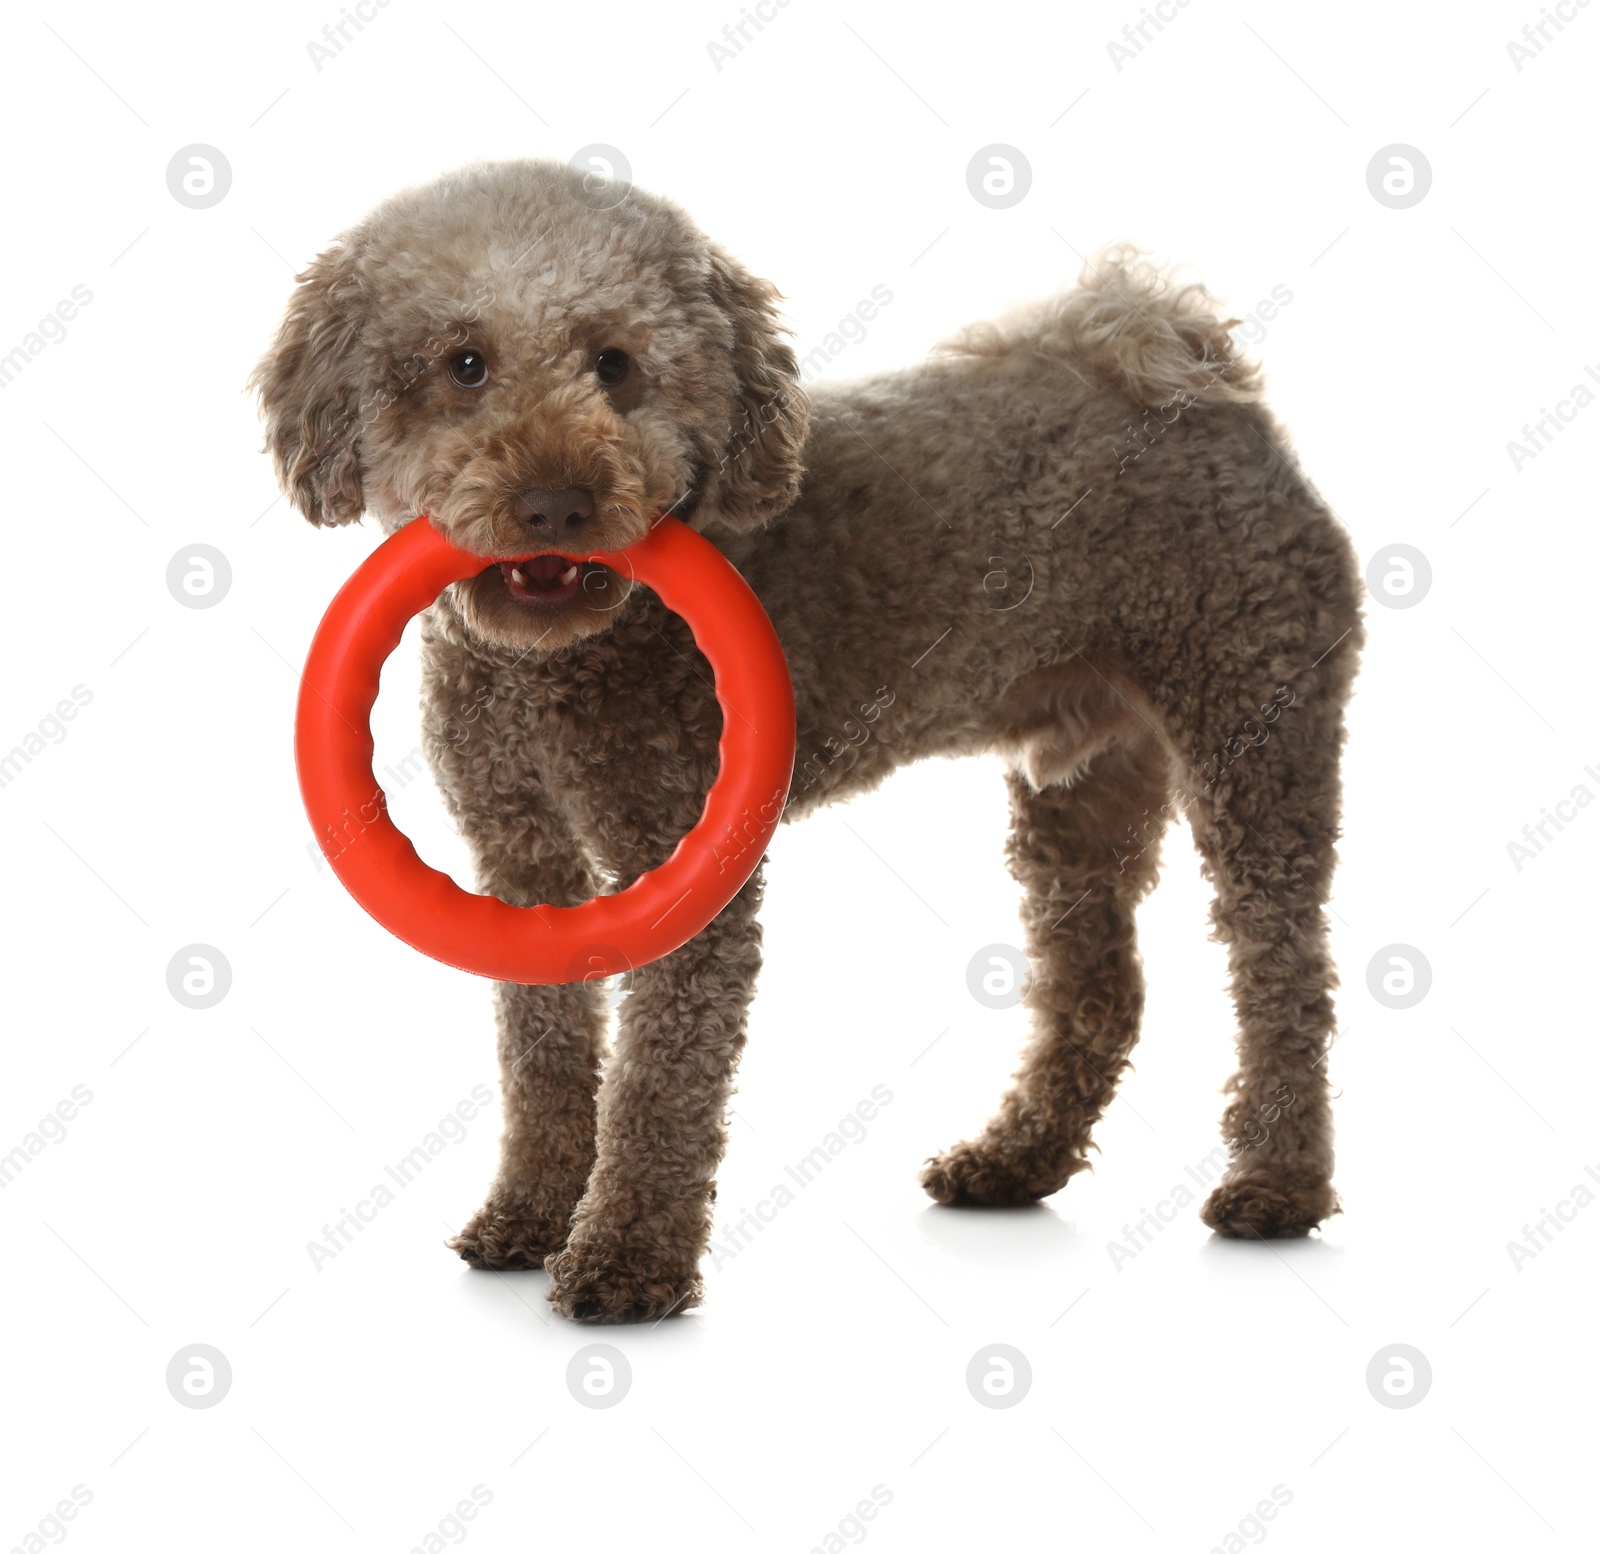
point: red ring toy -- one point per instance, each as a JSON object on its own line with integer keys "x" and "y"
{"x": 661, "y": 910}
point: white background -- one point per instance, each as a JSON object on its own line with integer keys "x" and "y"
{"x": 1168, "y": 1396}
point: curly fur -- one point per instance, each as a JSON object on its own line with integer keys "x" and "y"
{"x": 1074, "y": 536}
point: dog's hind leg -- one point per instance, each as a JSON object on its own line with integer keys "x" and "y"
{"x": 1265, "y": 817}
{"x": 1085, "y": 854}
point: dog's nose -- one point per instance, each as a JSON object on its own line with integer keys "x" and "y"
{"x": 563, "y": 515}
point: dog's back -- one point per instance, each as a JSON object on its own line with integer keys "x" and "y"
{"x": 1091, "y": 478}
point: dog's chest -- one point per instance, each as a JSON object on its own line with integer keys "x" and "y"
{"x": 623, "y": 724}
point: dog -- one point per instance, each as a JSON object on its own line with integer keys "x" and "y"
{"x": 1074, "y": 536}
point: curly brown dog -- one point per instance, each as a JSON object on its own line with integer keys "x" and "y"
{"x": 1074, "y": 536}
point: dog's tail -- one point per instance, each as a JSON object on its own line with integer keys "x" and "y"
{"x": 1136, "y": 327}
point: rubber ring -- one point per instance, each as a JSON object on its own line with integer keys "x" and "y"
{"x": 664, "y": 908}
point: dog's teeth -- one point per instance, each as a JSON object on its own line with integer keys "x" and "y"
{"x": 569, "y": 574}
{"x": 516, "y": 575}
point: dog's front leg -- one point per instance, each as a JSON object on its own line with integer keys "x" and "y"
{"x": 638, "y": 1235}
{"x": 551, "y": 1042}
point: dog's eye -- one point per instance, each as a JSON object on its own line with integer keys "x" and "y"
{"x": 611, "y": 367}
{"x": 469, "y": 369}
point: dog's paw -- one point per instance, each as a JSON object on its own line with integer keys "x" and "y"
{"x": 972, "y": 1174}
{"x": 589, "y": 1286}
{"x": 506, "y": 1238}
{"x": 1251, "y": 1209}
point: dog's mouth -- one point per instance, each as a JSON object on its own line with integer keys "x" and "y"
{"x": 550, "y": 582}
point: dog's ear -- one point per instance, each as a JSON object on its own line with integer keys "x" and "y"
{"x": 758, "y": 474}
{"x": 309, "y": 387}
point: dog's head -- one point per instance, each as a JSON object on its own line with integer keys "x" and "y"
{"x": 540, "y": 365}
